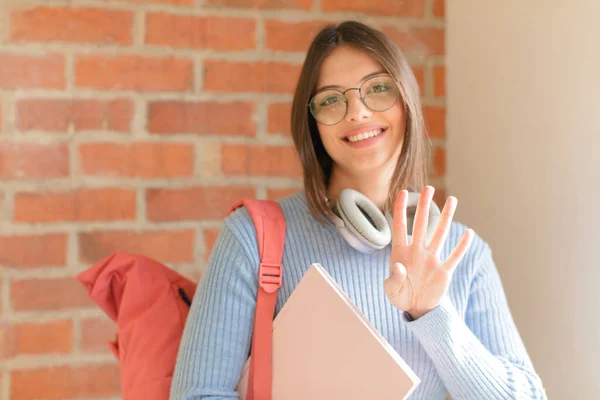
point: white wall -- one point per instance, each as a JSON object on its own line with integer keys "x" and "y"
{"x": 523, "y": 103}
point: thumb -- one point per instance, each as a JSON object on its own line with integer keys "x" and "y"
{"x": 396, "y": 280}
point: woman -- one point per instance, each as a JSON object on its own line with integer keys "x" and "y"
{"x": 357, "y": 124}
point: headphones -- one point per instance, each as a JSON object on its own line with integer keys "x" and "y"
{"x": 366, "y": 228}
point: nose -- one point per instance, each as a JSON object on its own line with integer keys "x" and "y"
{"x": 357, "y": 111}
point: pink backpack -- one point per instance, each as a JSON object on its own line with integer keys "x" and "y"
{"x": 150, "y": 303}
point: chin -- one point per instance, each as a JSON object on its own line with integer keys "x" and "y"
{"x": 370, "y": 166}
{"x": 377, "y": 160}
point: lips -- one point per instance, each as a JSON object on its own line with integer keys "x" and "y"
{"x": 363, "y": 132}
{"x": 364, "y": 135}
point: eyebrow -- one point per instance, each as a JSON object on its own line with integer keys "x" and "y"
{"x": 364, "y": 78}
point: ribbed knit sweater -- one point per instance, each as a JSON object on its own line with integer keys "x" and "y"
{"x": 468, "y": 346}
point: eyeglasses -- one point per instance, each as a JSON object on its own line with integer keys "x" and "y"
{"x": 378, "y": 94}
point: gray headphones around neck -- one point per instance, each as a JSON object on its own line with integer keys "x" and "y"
{"x": 366, "y": 228}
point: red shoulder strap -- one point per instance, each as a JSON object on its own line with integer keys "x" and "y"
{"x": 269, "y": 223}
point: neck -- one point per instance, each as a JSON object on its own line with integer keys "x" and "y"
{"x": 373, "y": 185}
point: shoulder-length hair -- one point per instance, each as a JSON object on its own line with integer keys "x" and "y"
{"x": 411, "y": 169}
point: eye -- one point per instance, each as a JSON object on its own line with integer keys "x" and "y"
{"x": 379, "y": 88}
{"x": 329, "y": 100}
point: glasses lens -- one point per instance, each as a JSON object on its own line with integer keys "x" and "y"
{"x": 328, "y": 107}
{"x": 380, "y": 93}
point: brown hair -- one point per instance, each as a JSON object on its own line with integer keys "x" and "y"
{"x": 411, "y": 169}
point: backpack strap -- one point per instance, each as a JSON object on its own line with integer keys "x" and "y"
{"x": 269, "y": 223}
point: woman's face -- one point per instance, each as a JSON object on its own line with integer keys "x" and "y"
{"x": 364, "y": 141}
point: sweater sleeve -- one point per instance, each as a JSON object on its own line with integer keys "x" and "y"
{"x": 218, "y": 331}
{"x": 482, "y": 356}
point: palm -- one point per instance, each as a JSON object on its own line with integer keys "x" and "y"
{"x": 420, "y": 283}
{"x": 423, "y": 285}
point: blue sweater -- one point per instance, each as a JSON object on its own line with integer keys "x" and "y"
{"x": 468, "y": 346}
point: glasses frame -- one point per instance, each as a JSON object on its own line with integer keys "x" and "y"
{"x": 362, "y": 99}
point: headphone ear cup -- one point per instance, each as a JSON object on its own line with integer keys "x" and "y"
{"x": 373, "y": 231}
{"x": 390, "y": 219}
{"x": 349, "y": 236}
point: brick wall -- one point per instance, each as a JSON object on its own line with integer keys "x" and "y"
{"x": 134, "y": 125}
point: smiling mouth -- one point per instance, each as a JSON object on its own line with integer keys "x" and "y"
{"x": 364, "y": 135}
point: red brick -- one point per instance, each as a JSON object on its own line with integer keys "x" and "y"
{"x": 96, "y": 333}
{"x": 194, "y": 203}
{"x": 279, "y": 118}
{"x": 439, "y": 8}
{"x": 131, "y": 72}
{"x": 137, "y": 160}
{"x": 164, "y": 246}
{"x": 173, "y": 2}
{"x": 210, "y": 238}
{"x": 222, "y": 118}
{"x": 259, "y": 160}
{"x": 292, "y": 36}
{"x": 415, "y": 40}
{"x": 66, "y": 382}
{"x": 198, "y": 32}
{"x": 273, "y": 77}
{"x": 25, "y": 251}
{"x": 85, "y": 205}
{"x": 74, "y": 25}
{"x": 435, "y": 120}
{"x": 392, "y": 8}
{"x": 419, "y": 73}
{"x": 1, "y": 115}
{"x": 439, "y": 162}
{"x": 277, "y": 194}
{"x": 36, "y": 338}
{"x": 23, "y": 160}
{"x": 23, "y": 71}
{"x": 50, "y": 294}
{"x": 120, "y": 115}
{"x": 439, "y": 81}
{"x": 56, "y": 115}
{"x": 262, "y": 4}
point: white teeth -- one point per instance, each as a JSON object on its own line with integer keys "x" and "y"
{"x": 364, "y": 135}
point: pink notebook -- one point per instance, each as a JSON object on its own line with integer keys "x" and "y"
{"x": 325, "y": 348}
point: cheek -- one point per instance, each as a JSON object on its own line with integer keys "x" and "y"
{"x": 395, "y": 117}
{"x": 328, "y": 135}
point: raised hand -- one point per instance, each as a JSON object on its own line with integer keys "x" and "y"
{"x": 418, "y": 278}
